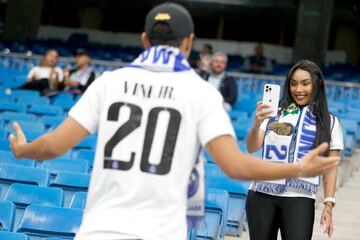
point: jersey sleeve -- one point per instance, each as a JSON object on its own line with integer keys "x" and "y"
{"x": 337, "y": 140}
{"x": 214, "y": 120}
{"x": 87, "y": 110}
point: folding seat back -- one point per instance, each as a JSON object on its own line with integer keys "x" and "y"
{"x": 18, "y": 93}
{"x": 51, "y": 121}
{"x": 23, "y": 195}
{"x": 216, "y": 208}
{"x": 79, "y": 200}
{"x": 71, "y": 183}
{"x": 7, "y": 215}
{"x": 12, "y": 107}
{"x": 20, "y": 174}
{"x": 70, "y": 165}
{"x": 8, "y": 158}
{"x": 13, "y": 236}
{"x": 237, "y": 190}
{"x": 13, "y": 116}
{"x": 27, "y": 125}
{"x": 50, "y": 221}
{"x": 87, "y": 155}
{"x": 45, "y": 110}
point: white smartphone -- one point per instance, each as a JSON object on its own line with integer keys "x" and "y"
{"x": 271, "y": 96}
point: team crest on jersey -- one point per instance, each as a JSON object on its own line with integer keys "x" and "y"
{"x": 193, "y": 183}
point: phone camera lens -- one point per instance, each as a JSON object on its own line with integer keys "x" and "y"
{"x": 266, "y": 90}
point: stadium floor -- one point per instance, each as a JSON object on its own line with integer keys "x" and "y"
{"x": 347, "y": 210}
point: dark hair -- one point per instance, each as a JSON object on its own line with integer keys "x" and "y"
{"x": 42, "y": 62}
{"x": 161, "y": 34}
{"x": 318, "y": 102}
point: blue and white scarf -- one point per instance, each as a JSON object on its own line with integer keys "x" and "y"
{"x": 170, "y": 59}
{"x": 287, "y": 139}
{"x": 162, "y": 59}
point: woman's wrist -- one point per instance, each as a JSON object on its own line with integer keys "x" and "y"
{"x": 256, "y": 124}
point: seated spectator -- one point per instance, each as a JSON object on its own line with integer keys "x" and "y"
{"x": 47, "y": 76}
{"x": 205, "y": 57}
{"x": 220, "y": 79}
{"x": 77, "y": 80}
{"x": 258, "y": 63}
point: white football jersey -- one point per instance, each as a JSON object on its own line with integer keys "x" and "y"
{"x": 150, "y": 128}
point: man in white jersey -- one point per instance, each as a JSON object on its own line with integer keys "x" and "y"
{"x": 152, "y": 117}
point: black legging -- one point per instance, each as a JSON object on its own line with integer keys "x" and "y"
{"x": 266, "y": 214}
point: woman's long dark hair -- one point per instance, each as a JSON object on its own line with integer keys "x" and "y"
{"x": 318, "y": 102}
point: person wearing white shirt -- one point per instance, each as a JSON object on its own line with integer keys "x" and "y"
{"x": 152, "y": 117}
{"x": 47, "y": 75}
{"x": 303, "y": 122}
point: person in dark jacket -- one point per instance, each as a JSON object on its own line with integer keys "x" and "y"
{"x": 77, "y": 80}
{"x": 218, "y": 77}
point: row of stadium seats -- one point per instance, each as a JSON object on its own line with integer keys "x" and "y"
{"x": 224, "y": 206}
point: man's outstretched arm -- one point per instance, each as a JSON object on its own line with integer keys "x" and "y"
{"x": 49, "y": 145}
{"x": 236, "y": 164}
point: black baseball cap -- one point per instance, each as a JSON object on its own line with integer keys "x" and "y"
{"x": 80, "y": 51}
{"x": 175, "y": 15}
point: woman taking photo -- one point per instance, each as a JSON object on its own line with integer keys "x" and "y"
{"x": 303, "y": 122}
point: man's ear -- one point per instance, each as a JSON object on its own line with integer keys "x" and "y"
{"x": 186, "y": 45}
{"x": 145, "y": 40}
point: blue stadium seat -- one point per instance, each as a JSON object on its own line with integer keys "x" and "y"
{"x": 71, "y": 165}
{"x": 78, "y": 200}
{"x": 352, "y": 126}
{"x": 25, "y": 93}
{"x": 241, "y": 131}
{"x": 45, "y": 110}
{"x": 52, "y": 122}
{"x": 13, "y": 236}
{"x": 43, "y": 101}
{"x": 88, "y": 143}
{"x": 62, "y": 97}
{"x": 216, "y": 208}
{"x": 235, "y": 115}
{"x": 7, "y": 98}
{"x": 207, "y": 156}
{"x": 2, "y": 133}
{"x": 215, "y": 178}
{"x": 20, "y": 174}
{"x": 55, "y": 238}
{"x": 65, "y": 104}
{"x": 71, "y": 183}
{"x": 86, "y": 154}
{"x": 4, "y": 145}
{"x": 50, "y": 221}
{"x": 27, "y": 126}
{"x": 7, "y": 157}
{"x": 12, "y": 107}
{"x": 7, "y": 215}
{"x": 11, "y": 116}
{"x": 23, "y": 195}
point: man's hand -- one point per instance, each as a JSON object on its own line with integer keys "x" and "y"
{"x": 18, "y": 140}
{"x": 326, "y": 219}
{"x": 313, "y": 165}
